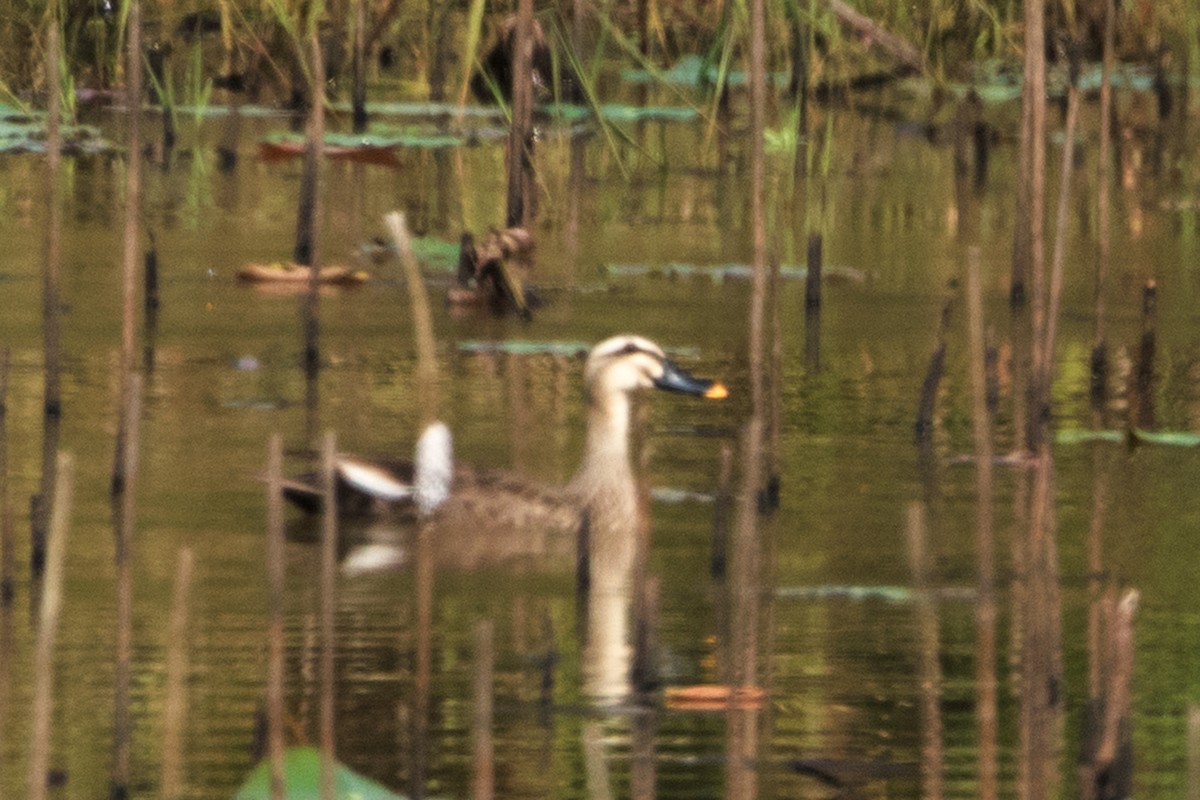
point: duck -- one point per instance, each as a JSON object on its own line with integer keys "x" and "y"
{"x": 484, "y": 517}
{"x": 494, "y": 272}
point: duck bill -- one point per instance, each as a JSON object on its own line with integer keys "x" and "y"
{"x": 675, "y": 379}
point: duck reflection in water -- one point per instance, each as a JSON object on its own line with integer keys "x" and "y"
{"x": 487, "y": 519}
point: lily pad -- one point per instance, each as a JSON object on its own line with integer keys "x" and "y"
{"x": 1166, "y": 438}
{"x": 723, "y": 272}
{"x": 302, "y": 780}
{"x": 890, "y": 594}
{"x": 692, "y": 70}
{"x": 520, "y": 347}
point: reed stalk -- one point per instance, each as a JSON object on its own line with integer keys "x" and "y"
{"x": 917, "y": 534}
{"x": 126, "y": 521}
{"x": 427, "y": 371}
{"x": 309, "y": 212}
{"x": 276, "y": 567}
{"x": 1099, "y": 365}
{"x": 1033, "y": 184}
{"x": 1054, "y": 301}
{"x": 49, "y": 613}
{"x": 329, "y": 532}
{"x": 175, "y": 703}
{"x": 520, "y": 137}
{"x": 51, "y": 302}
{"x": 985, "y": 602}
{"x": 7, "y": 562}
{"x": 483, "y": 746}
{"x": 359, "y": 100}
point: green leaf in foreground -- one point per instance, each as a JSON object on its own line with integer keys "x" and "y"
{"x": 302, "y": 780}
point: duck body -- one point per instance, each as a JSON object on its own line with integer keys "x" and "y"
{"x": 494, "y": 516}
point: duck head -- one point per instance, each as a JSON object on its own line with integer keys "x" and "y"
{"x": 626, "y": 363}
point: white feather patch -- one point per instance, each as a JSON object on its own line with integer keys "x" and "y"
{"x": 433, "y": 467}
{"x": 373, "y": 481}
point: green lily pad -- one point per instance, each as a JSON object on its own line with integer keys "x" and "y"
{"x": 724, "y": 272}
{"x": 520, "y": 347}
{"x": 889, "y": 594}
{"x": 302, "y": 780}
{"x": 1166, "y": 438}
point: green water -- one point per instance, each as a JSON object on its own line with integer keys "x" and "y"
{"x": 842, "y": 666}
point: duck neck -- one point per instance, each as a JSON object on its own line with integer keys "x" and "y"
{"x": 606, "y": 454}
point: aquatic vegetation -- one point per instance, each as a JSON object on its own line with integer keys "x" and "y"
{"x": 26, "y": 133}
{"x": 302, "y": 779}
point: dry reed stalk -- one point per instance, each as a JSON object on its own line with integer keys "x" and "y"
{"x": 1099, "y": 380}
{"x": 7, "y": 563}
{"x": 276, "y": 567}
{"x": 722, "y": 506}
{"x": 520, "y": 137}
{"x": 48, "y": 619}
{"x": 427, "y": 373}
{"x": 812, "y": 304}
{"x": 175, "y": 703}
{"x": 328, "y": 605}
{"x": 985, "y": 603}
{"x": 422, "y": 679}
{"x": 132, "y": 231}
{"x": 126, "y": 520}
{"x": 917, "y": 532}
{"x": 1193, "y": 752}
{"x": 51, "y": 302}
{"x": 741, "y": 744}
{"x": 758, "y": 292}
{"x": 309, "y": 211}
{"x": 1057, "y": 267}
{"x": 359, "y": 102}
{"x": 483, "y": 766}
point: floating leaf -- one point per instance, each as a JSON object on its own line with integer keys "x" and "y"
{"x": 1171, "y": 438}
{"x": 302, "y": 780}
{"x": 1167, "y": 438}
{"x": 890, "y": 594}
{"x": 519, "y": 347}
{"x": 722, "y": 272}
{"x": 1080, "y": 436}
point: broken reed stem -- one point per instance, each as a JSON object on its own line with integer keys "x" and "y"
{"x": 48, "y": 619}
{"x": 275, "y": 582}
{"x": 427, "y": 373}
{"x": 985, "y": 602}
{"x": 328, "y": 605}
{"x": 175, "y": 704}
{"x": 483, "y": 786}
